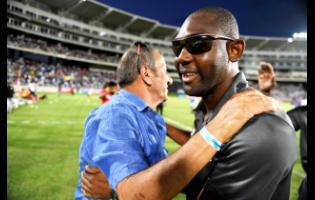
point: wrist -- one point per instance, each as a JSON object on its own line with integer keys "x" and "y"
{"x": 217, "y": 130}
{"x": 210, "y": 138}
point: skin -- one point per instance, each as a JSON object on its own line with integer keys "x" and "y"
{"x": 169, "y": 176}
{"x": 152, "y": 83}
{"x": 214, "y": 69}
{"x": 266, "y": 78}
{"x": 160, "y": 79}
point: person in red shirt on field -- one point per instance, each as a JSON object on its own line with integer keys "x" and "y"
{"x": 110, "y": 88}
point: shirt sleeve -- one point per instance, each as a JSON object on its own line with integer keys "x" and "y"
{"x": 114, "y": 145}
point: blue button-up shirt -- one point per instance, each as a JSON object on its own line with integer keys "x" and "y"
{"x": 122, "y": 137}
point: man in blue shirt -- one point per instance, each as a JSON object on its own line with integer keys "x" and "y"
{"x": 124, "y": 138}
{"x": 126, "y": 131}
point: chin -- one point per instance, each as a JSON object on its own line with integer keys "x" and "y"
{"x": 165, "y": 98}
{"x": 189, "y": 90}
{"x": 193, "y": 91}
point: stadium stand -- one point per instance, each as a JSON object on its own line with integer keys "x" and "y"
{"x": 86, "y": 35}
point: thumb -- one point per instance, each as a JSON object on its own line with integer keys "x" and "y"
{"x": 91, "y": 170}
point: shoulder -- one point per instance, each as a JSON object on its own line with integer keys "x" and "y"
{"x": 112, "y": 113}
{"x": 116, "y": 107}
{"x": 267, "y": 126}
{"x": 269, "y": 135}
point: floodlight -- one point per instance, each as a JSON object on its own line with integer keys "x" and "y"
{"x": 300, "y": 35}
{"x": 103, "y": 33}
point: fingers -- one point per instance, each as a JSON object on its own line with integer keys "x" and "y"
{"x": 237, "y": 111}
{"x": 95, "y": 185}
{"x": 251, "y": 102}
{"x": 91, "y": 170}
{"x": 86, "y": 191}
{"x": 85, "y": 181}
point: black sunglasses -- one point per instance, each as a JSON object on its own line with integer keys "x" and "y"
{"x": 196, "y": 44}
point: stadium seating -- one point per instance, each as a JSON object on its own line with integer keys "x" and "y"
{"x": 92, "y": 36}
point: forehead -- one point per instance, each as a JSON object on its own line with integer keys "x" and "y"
{"x": 199, "y": 23}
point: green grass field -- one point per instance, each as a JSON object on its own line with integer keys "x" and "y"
{"x": 43, "y": 143}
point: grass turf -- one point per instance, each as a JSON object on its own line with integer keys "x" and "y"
{"x": 43, "y": 143}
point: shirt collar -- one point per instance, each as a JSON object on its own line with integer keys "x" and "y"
{"x": 239, "y": 83}
{"x": 133, "y": 99}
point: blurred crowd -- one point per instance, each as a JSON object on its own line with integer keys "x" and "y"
{"x": 287, "y": 92}
{"x": 23, "y": 72}
{"x": 58, "y": 48}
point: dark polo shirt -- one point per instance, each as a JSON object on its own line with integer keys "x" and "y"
{"x": 255, "y": 165}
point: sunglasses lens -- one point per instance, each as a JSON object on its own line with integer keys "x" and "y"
{"x": 177, "y": 47}
{"x": 197, "y": 45}
{"x": 194, "y": 45}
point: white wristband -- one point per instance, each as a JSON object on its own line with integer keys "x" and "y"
{"x": 211, "y": 139}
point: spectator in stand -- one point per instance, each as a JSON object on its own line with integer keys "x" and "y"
{"x": 109, "y": 89}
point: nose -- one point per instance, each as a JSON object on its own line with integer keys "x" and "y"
{"x": 183, "y": 57}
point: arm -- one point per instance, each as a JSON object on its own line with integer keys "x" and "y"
{"x": 94, "y": 182}
{"x": 266, "y": 78}
{"x": 180, "y": 136}
{"x": 169, "y": 176}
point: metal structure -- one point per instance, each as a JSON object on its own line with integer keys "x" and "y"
{"x": 99, "y": 27}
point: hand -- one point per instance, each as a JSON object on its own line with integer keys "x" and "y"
{"x": 266, "y": 81}
{"x": 237, "y": 111}
{"x": 95, "y": 184}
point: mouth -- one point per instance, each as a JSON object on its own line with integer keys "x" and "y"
{"x": 188, "y": 76}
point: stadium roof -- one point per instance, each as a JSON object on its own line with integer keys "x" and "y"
{"x": 100, "y": 14}
{"x": 97, "y": 13}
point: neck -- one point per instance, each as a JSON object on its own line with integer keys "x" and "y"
{"x": 212, "y": 99}
{"x": 141, "y": 90}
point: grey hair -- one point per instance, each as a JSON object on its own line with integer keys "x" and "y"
{"x": 224, "y": 20}
{"x": 131, "y": 62}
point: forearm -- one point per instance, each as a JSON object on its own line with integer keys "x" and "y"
{"x": 168, "y": 177}
{"x": 178, "y": 135}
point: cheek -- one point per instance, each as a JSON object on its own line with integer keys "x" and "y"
{"x": 206, "y": 64}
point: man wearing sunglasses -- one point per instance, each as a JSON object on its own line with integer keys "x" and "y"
{"x": 164, "y": 178}
{"x": 258, "y": 162}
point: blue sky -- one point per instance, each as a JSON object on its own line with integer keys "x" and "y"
{"x": 278, "y": 18}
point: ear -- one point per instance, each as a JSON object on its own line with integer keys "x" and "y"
{"x": 146, "y": 75}
{"x": 235, "y": 49}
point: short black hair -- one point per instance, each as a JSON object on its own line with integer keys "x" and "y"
{"x": 112, "y": 83}
{"x": 223, "y": 18}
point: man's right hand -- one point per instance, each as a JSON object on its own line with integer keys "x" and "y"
{"x": 237, "y": 111}
{"x": 95, "y": 184}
